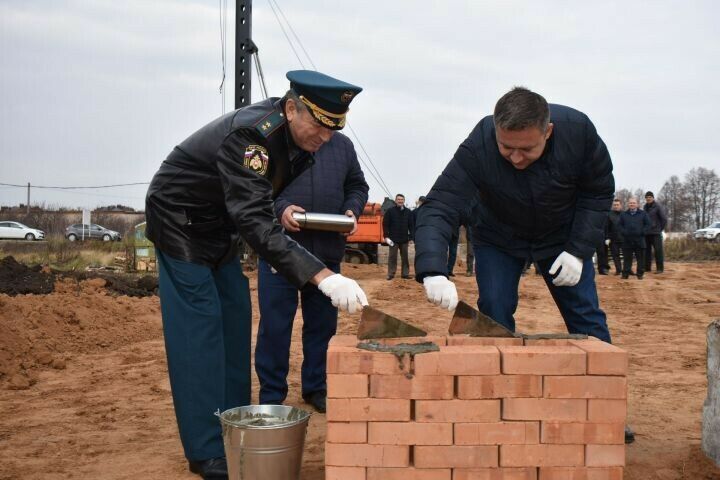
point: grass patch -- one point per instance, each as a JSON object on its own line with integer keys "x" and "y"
{"x": 61, "y": 254}
{"x": 691, "y": 250}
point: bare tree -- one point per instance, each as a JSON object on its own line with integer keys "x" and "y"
{"x": 703, "y": 189}
{"x": 623, "y": 195}
{"x": 673, "y": 196}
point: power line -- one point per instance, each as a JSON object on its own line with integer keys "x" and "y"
{"x": 74, "y": 188}
{"x": 286, "y": 35}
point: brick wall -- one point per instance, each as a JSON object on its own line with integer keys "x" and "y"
{"x": 480, "y": 409}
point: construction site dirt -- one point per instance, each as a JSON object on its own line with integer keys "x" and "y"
{"x": 84, "y": 391}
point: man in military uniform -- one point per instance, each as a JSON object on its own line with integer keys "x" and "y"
{"x": 214, "y": 188}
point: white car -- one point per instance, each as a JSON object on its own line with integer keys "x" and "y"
{"x": 711, "y": 233}
{"x": 18, "y": 230}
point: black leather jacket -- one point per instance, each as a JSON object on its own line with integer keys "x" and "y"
{"x": 219, "y": 184}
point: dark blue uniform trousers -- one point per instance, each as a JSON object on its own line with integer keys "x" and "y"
{"x": 498, "y": 276}
{"x": 207, "y": 324}
{"x": 278, "y": 300}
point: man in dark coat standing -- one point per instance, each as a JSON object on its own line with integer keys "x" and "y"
{"x": 654, "y": 236}
{"x": 399, "y": 228}
{"x": 334, "y": 184}
{"x": 214, "y": 188}
{"x": 634, "y": 224}
{"x": 544, "y": 182}
{"x": 613, "y": 237}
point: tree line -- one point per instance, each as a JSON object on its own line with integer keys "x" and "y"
{"x": 690, "y": 203}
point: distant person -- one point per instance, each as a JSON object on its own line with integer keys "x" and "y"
{"x": 613, "y": 236}
{"x": 214, "y": 188}
{"x": 399, "y": 228}
{"x": 418, "y": 204}
{"x": 334, "y": 184}
{"x": 654, "y": 235}
{"x": 634, "y": 224}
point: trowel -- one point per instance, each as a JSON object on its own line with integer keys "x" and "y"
{"x": 377, "y": 324}
{"x": 472, "y": 322}
{"x": 469, "y": 321}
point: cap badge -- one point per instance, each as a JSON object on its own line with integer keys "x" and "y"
{"x": 346, "y": 97}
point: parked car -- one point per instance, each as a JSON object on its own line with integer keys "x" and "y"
{"x": 91, "y": 232}
{"x": 18, "y": 230}
{"x": 711, "y": 233}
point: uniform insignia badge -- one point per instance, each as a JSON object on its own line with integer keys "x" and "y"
{"x": 256, "y": 159}
{"x": 347, "y": 97}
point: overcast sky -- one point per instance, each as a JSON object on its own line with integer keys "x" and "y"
{"x": 98, "y": 92}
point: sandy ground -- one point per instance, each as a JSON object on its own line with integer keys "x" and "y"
{"x": 86, "y": 395}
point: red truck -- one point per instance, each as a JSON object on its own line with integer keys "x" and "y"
{"x": 362, "y": 246}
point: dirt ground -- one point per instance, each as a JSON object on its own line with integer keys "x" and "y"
{"x": 84, "y": 390}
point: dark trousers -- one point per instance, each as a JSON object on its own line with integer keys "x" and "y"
{"x": 615, "y": 252}
{"x": 452, "y": 252}
{"x": 498, "y": 276}
{"x": 602, "y": 258}
{"x": 392, "y": 260}
{"x": 278, "y": 301}
{"x": 628, "y": 253}
{"x": 654, "y": 242}
{"x": 206, "y": 321}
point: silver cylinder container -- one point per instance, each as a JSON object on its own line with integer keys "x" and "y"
{"x": 327, "y": 222}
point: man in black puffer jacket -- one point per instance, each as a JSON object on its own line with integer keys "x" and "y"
{"x": 544, "y": 181}
{"x": 399, "y": 228}
{"x": 654, "y": 236}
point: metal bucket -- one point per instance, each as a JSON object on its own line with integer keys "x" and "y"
{"x": 264, "y": 442}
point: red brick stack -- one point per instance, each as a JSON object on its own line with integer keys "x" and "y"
{"x": 480, "y": 409}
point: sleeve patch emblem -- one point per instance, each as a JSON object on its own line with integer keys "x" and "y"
{"x": 256, "y": 159}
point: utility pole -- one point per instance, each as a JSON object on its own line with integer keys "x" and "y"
{"x": 243, "y": 53}
{"x": 27, "y": 207}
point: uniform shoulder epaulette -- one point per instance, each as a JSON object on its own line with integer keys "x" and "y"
{"x": 269, "y": 123}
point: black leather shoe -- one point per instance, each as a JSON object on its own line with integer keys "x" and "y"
{"x": 317, "y": 400}
{"x": 658, "y": 271}
{"x": 451, "y": 274}
{"x": 625, "y": 276}
{"x": 640, "y": 276}
{"x": 389, "y": 277}
{"x": 406, "y": 277}
{"x": 629, "y": 435}
{"x": 211, "y": 469}
{"x": 603, "y": 272}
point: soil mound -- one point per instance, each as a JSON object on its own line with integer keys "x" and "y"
{"x": 19, "y": 279}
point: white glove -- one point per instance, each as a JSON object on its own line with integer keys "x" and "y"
{"x": 344, "y": 292}
{"x": 441, "y": 291}
{"x": 389, "y": 242}
{"x": 570, "y": 270}
{"x": 607, "y": 242}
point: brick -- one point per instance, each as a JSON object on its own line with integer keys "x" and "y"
{"x": 349, "y": 360}
{"x": 343, "y": 341}
{"x": 347, "y": 432}
{"x": 525, "y": 473}
{"x": 410, "y": 433}
{"x": 456, "y": 456}
{"x": 367, "y": 409}
{"x": 499, "y": 433}
{"x": 577, "y": 433}
{"x": 603, "y": 358}
{"x": 605, "y": 455}
{"x": 491, "y": 341}
{"x": 548, "y": 342}
{"x": 459, "y": 360}
{"x": 580, "y": 473}
{"x": 353, "y": 340}
{"x": 344, "y": 473}
{"x": 409, "y": 474}
{"x": 499, "y": 386}
{"x": 347, "y": 386}
{"x": 426, "y": 387}
{"x": 607, "y": 410}
{"x": 457, "y": 411}
{"x": 586, "y": 386}
{"x": 364, "y": 455}
{"x": 544, "y": 409}
{"x": 543, "y": 360}
{"x": 542, "y": 455}
{"x": 436, "y": 339}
